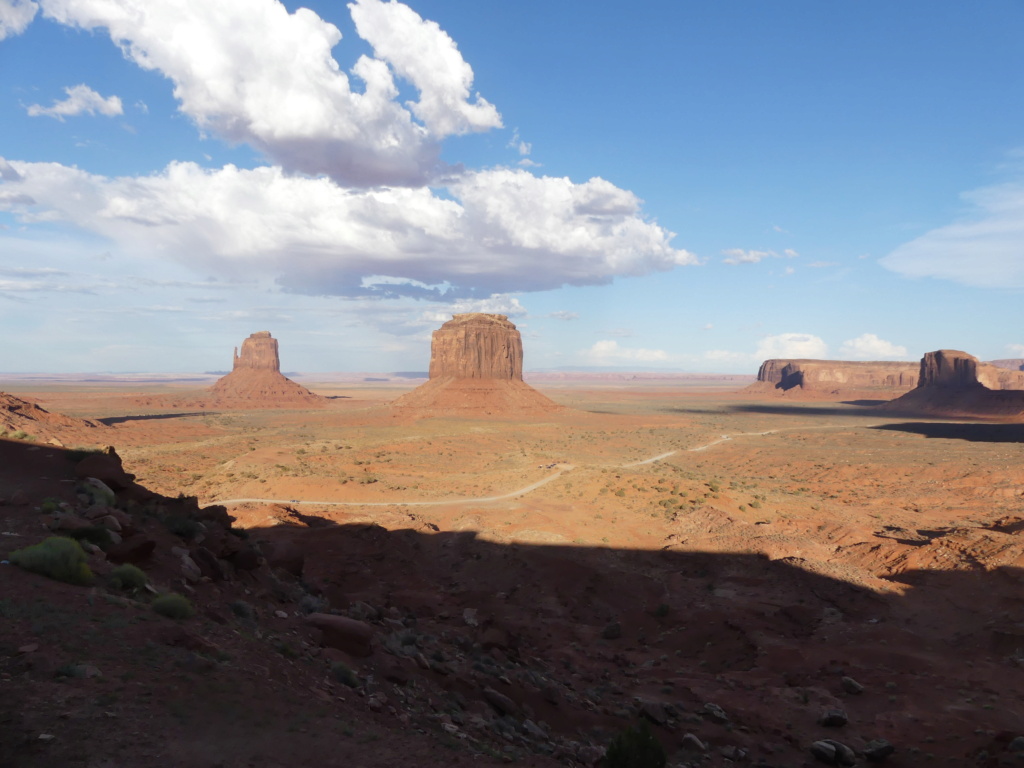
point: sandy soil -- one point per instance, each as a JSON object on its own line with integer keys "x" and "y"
{"x": 753, "y": 554}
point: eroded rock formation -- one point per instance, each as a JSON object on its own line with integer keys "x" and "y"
{"x": 835, "y": 377}
{"x": 477, "y": 346}
{"x": 476, "y": 369}
{"x": 954, "y": 383}
{"x": 259, "y": 353}
{"x": 256, "y": 380}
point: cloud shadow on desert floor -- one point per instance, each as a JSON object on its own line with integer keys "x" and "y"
{"x": 974, "y": 432}
{"x": 111, "y": 420}
{"x": 855, "y": 408}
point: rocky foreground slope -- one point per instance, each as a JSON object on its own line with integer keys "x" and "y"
{"x": 22, "y": 418}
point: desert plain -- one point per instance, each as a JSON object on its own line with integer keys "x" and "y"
{"x": 748, "y": 575}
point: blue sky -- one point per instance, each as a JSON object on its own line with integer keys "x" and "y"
{"x": 677, "y": 185}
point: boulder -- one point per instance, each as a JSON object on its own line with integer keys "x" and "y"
{"x": 134, "y": 550}
{"x": 349, "y": 635}
{"x": 107, "y": 468}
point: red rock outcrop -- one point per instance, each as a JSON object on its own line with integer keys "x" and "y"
{"x": 256, "y": 380}
{"x": 956, "y": 384}
{"x": 476, "y": 369}
{"x": 24, "y": 416}
{"x": 836, "y": 377}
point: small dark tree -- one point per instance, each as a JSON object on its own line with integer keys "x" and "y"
{"x": 635, "y": 748}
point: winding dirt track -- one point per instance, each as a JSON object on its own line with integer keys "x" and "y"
{"x": 563, "y": 468}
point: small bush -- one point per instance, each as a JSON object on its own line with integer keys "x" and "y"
{"x": 49, "y": 505}
{"x": 344, "y": 674}
{"x": 75, "y": 455}
{"x": 128, "y": 577}
{"x": 635, "y": 748}
{"x": 57, "y": 557}
{"x": 242, "y": 609}
{"x": 173, "y": 606}
{"x": 94, "y": 534}
{"x": 185, "y": 527}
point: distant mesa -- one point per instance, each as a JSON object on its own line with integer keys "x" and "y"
{"x": 957, "y": 385}
{"x": 256, "y": 380}
{"x": 881, "y": 379}
{"x": 1012, "y": 364}
{"x": 476, "y": 369}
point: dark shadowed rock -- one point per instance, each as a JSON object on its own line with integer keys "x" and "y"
{"x": 348, "y": 635}
{"x": 134, "y": 550}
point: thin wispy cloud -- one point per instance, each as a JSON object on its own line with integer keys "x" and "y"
{"x": 741, "y": 256}
{"x": 983, "y": 248}
{"x": 81, "y": 99}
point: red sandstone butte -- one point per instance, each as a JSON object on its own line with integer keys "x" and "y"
{"x": 955, "y": 384}
{"x": 256, "y": 380}
{"x": 476, "y": 369}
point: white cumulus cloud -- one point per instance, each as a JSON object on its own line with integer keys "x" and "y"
{"x": 609, "y": 352}
{"x": 423, "y": 54}
{"x": 868, "y": 346}
{"x": 15, "y": 16}
{"x": 791, "y": 345}
{"x": 984, "y": 248}
{"x": 250, "y": 71}
{"x": 497, "y": 231}
{"x": 81, "y": 99}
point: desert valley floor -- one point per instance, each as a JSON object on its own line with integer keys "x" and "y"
{"x": 732, "y": 570}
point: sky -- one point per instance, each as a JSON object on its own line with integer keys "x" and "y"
{"x": 678, "y": 186}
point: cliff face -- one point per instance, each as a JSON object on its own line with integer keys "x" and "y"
{"x": 477, "y": 346}
{"x": 948, "y": 368}
{"x": 476, "y": 370}
{"x": 829, "y": 375}
{"x": 259, "y": 352}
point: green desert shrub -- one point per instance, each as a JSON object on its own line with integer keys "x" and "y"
{"x": 173, "y": 606}
{"x": 128, "y": 577}
{"x": 185, "y": 527}
{"x": 57, "y": 557}
{"x": 344, "y": 674}
{"x": 94, "y": 534}
{"x": 635, "y": 748}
